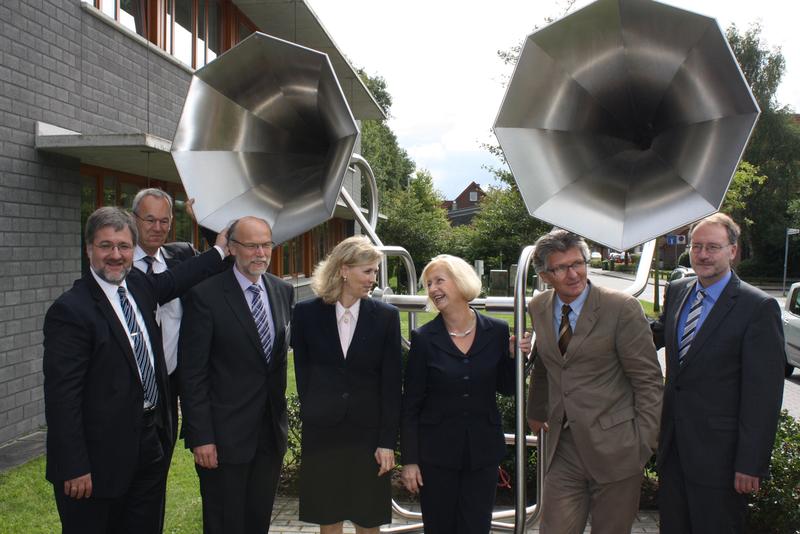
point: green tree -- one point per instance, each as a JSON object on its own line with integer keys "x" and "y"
{"x": 746, "y": 181}
{"x": 774, "y": 149}
{"x": 390, "y": 163}
{"x": 414, "y": 220}
{"x": 503, "y": 228}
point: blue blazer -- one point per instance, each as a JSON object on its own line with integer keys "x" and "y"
{"x": 449, "y": 401}
{"x": 362, "y": 389}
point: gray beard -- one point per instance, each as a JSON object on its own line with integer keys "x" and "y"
{"x": 103, "y": 276}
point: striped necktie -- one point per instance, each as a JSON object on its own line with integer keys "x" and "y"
{"x": 690, "y": 328}
{"x": 149, "y": 261}
{"x": 565, "y": 329}
{"x": 260, "y": 317}
{"x": 139, "y": 350}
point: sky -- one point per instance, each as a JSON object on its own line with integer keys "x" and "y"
{"x": 439, "y": 59}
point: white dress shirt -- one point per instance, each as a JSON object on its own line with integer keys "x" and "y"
{"x": 110, "y": 291}
{"x": 168, "y": 316}
{"x": 346, "y": 319}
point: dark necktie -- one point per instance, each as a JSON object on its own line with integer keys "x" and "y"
{"x": 690, "y": 328}
{"x": 139, "y": 350}
{"x": 149, "y": 261}
{"x": 260, "y": 317}
{"x": 565, "y": 329}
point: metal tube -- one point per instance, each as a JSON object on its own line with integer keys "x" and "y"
{"x": 370, "y": 225}
{"x": 411, "y": 272}
{"x": 643, "y": 270}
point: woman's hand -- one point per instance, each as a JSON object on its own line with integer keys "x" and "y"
{"x": 411, "y": 477}
{"x": 385, "y": 459}
{"x": 525, "y": 344}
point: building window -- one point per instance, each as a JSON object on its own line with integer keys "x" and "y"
{"x": 473, "y": 196}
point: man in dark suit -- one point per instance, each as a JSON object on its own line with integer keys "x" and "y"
{"x": 725, "y": 357}
{"x": 106, "y": 384}
{"x": 232, "y": 355}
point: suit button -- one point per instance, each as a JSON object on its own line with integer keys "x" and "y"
{"x": 345, "y": 395}
{"x": 466, "y": 377}
{"x": 466, "y": 414}
{"x": 677, "y": 388}
{"x": 465, "y": 395}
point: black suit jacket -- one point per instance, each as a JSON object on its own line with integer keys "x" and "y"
{"x": 362, "y": 389}
{"x": 92, "y": 390}
{"x": 174, "y": 253}
{"x": 226, "y": 385}
{"x": 721, "y": 406}
{"x": 449, "y": 400}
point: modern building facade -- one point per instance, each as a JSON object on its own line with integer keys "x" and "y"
{"x": 91, "y": 92}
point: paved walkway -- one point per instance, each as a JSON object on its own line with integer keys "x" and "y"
{"x": 284, "y": 521}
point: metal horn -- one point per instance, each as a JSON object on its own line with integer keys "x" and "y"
{"x": 625, "y": 120}
{"x": 265, "y": 131}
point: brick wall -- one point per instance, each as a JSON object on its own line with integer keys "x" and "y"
{"x": 61, "y": 65}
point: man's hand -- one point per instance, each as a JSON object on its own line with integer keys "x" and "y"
{"x": 524, "y": 345}
{"x": 222, "y": 240}
{"x": 206, "y": 456}
{"x": 79, "y": 488}
{"x": 189, "y": 209}
{"x": 745, "y": 483}
{"x": 536, "y": 426}
{"x": 411, "y": 477}
{"x": 385, "y": 459}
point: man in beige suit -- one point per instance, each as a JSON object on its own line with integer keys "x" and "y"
{"x": 595, "y": 389}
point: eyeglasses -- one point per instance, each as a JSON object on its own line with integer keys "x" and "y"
{"x": 252, "y": 247}
{"x": 711, "y": 248}
{"x": 561, "y": 270}
{"x": 106, "y": 247}
{"x": 152, "y": 221}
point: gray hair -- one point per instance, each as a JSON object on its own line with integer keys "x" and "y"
{"x": 150, "y": 192}
{"x": 557, "y": 241}
{"x": 117, "y": 218}
{"x": 720, "y": 218}
{"x": 235, "y": 223}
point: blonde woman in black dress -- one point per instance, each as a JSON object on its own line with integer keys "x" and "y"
{"x": 348, "y": 370}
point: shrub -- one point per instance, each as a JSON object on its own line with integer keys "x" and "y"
{"x": 596, "y": 263}
{"x": 775, "y": 509}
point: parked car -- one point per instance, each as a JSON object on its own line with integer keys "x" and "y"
{"x": 681, "y": 272}
{"x": 791, "y": 328}
{"x": 595, "y": 256}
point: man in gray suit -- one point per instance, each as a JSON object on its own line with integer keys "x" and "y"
{"x": 725, "y": 358}
{"x": 596, "y": 389}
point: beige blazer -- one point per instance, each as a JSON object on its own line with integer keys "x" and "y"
{"x": 608, "y": 384}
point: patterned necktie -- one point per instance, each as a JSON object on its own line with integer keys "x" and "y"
{"x": 690, "y": 328}
{"x": 139, "y": 350}
{"x": 565, "y": 329}
{"x": 260, "y": 317}
{"x": 149, "y": 261}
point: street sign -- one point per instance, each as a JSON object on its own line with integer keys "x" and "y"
{"x": 672, "y": 240}
{"x": 681, "y": 239}
{"x": 792, "y": 231}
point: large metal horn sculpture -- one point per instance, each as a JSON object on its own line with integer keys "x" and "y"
{"x": 265, "y": 131}
{"x": 625, "y": 120}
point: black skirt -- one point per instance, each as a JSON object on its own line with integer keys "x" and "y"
{"x": 339, "y": 477}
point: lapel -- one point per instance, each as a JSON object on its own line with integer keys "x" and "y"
{"x": 364, "y": 326}
{"x": 440, "y": 338}
{"x": 328, "y": 327}
{"x": 590, "y": 313}
{"x": 725, "y": 302}
{"x": 279, "y": 318}
{"x": 682, "y": 292}
{"x": 169, "y": 258}
{"x": 237, "y": 302}
{"x": 107, "y": 312}
{"x": 482, "y": 326}
{"x": 546, "y": 341}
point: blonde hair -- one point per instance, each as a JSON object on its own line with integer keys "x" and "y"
{"x": 327, "y": 281}
{"x": 467, "y": 282}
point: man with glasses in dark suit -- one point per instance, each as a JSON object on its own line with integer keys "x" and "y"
{"x": 725, "y": 357}
{"x": 105, "y": 383}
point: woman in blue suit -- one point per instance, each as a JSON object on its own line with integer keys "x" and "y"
{"x": 348, "y": 371}
{"x": 451, "y": 436}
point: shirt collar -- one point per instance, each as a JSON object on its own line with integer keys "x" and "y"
{"x": 109, "y": 289}
{"x": 576, "y": 305}
{"x": 245, "y": 282}
{"x": 353, "y": 310}
{"x": 140, "y": 254}
{"x": 714, "y": 290}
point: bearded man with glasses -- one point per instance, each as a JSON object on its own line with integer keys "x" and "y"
{"x": 105, "y": 383}
{"x": 595, "y": 389}
{"x": 725, "y": 359}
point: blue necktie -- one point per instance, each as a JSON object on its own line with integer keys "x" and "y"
{"x": 139, "y": 350}
{"x": 690, "y": 328}
{"x": 260, "y": 317}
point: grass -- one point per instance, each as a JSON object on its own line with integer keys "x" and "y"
{"x": 27, "y": 504}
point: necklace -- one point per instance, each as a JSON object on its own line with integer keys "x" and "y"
{"x": 466, "y": 332}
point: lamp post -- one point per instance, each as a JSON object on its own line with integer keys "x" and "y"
{"x": 789, "y": 231}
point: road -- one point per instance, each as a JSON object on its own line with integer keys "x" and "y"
{"x": 791, "y": 388}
